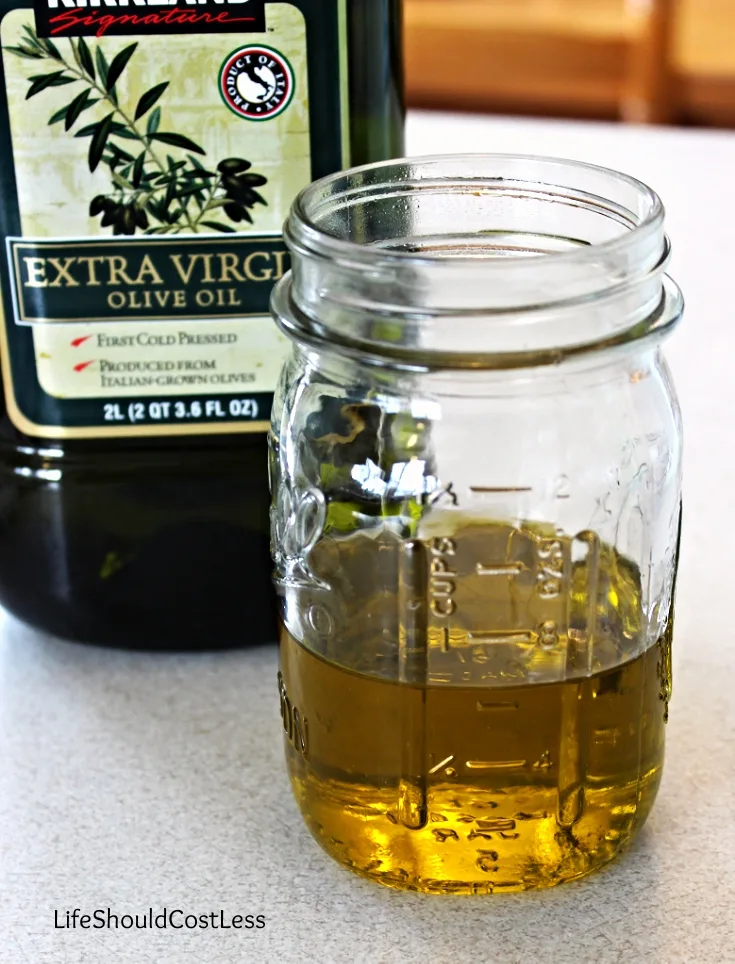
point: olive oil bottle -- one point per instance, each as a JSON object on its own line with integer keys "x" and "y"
{"x": 150, "y": 155}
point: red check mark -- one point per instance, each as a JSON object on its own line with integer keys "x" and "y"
{"x": 80, "y": 341}
{"x": 82, "y": 365}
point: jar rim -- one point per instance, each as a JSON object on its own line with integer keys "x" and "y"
{"x": 304, "y": 233}
{"x": 476, "y": 260}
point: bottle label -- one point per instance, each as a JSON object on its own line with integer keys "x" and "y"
{"x": 152, "y": 173}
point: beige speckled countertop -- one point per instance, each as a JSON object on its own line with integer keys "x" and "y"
{"x": 129, "y": 781}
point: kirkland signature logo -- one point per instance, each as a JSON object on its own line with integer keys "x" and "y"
{"x": 97, "y": 18}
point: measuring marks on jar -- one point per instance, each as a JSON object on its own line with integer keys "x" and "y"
{"x": 490, "y": 609}
{"x": 440, "y": 591}
{"x": 524, "y": 606}
{"x": 498, "y": 595}
{"x": 413, "y": 669}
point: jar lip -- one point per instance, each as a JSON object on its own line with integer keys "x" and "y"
{"x": 304, "y": 331}
{"x": 305, "y": 235}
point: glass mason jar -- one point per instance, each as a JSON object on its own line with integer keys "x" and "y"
{"x": 476, "y": 477}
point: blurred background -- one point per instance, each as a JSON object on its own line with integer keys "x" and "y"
{"x": 642, "y": 61}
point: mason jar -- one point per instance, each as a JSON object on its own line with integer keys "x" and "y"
{"x": 475, "y": 464}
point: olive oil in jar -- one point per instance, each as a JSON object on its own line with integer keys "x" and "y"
{"x": 150, "y": 157}
{"x": 489, "y": 757}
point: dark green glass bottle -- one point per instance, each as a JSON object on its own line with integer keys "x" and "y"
{"x": 153, "y": 164}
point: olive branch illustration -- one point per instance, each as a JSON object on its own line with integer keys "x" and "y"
{"x": 179, "y": 195}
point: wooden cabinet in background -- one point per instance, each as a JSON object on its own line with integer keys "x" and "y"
{"x": 642, "y": 60}
{"x": 703, "y": 56}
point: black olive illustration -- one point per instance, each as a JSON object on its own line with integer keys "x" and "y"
{"x": 141, "y": 218}
{"x": 111, "y": 213}
{"x": 242, "y": 188}
{"x": 233, "y": 165}
{"x": 97, "y": 205}
{"x": 239, "y": 187}
{"x": 236, "y": 212}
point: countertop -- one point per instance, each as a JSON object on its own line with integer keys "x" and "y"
{"x": 132, "y": 781}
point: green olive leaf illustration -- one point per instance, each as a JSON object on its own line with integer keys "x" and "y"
{"x": 58, "y": 116}
{"x": 119, "y": 153}
{"x": 75, "y": 108}
{"x": 85, "y": 58}
{"x": 187, "y": 191}
{"x": 154, "y": 119}
{"x": 122, "y": 181}
{"x": 149, "y": 98}
{"x": 26, "y": 52}
{"x": 170, "y": 193}
{"x": 177, "y": 140}
{"x": 86, "y": 131}
{"x": 102, "y": 66}
{"x": 50, "y": 48}
{"x": 216, "y": 226}
{"x": 61, "y": 114}
{"x": 32, "y": 38}
{"x": 99, "y": 140}
{"x": 138, "y": 169}
{"x": 120, "y": 130}
{"x": 119, "y": 63}
{"x": 41, "y": 81}
{"x": 199, "y": 172}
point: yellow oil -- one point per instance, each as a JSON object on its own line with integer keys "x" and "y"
{"x": 458, "y": 759}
